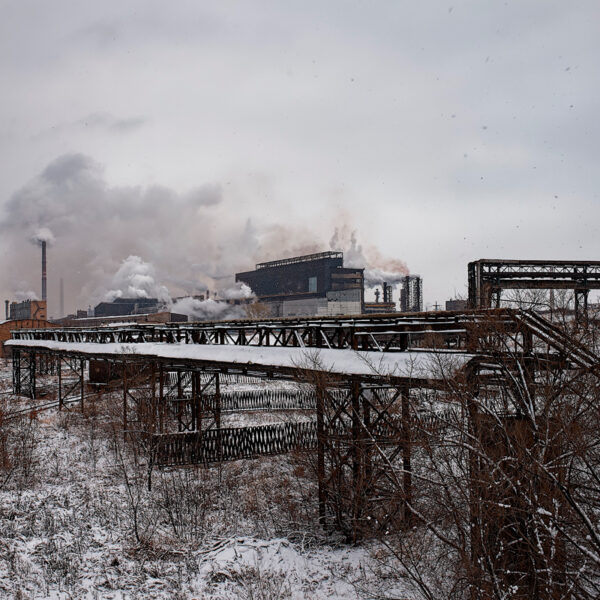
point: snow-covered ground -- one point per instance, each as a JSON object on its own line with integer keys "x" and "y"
{"x": 77, "y": 521}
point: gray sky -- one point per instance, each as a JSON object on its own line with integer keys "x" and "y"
{"x": 212, "y": 135}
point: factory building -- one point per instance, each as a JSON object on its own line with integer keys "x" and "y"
{"x": 30, "y": 314}
{"x": 127, "y": 306}
{"x": 29, "y": 309}
{"x": 158, "y": 317}
{"x": 314, "y": 284}
{"x": 411, "y": 294}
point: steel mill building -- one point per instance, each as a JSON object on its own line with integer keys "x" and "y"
{"x": 313, "y": 284}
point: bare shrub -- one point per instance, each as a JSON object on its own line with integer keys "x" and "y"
{"x": 18, "y": 451}
{"x": 184, "y": 500}
{"x": 507, "y": 488}
{"x": 255, "y": 585}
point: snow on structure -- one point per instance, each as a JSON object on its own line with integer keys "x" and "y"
{"x": 422, "y": 365}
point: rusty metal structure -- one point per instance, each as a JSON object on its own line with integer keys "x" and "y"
{"x": 385, "y": 332}
{"x": 363, "y": 420}
{"x": 364, "y": 427}
{"x": 487, "y": 278}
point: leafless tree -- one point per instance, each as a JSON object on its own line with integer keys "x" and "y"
{"x": 507, "y": 486}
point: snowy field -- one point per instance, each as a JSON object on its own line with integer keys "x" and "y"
{"x": 78, "y": 521}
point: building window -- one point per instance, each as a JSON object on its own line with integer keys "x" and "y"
{"x": 312, "y": 284}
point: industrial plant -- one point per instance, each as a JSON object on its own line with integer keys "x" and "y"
{"x": 308, "y": 285}
{"x": 320, "y": 285}
{"x": 314, "y": 284}
{"x": 365, "y": 394}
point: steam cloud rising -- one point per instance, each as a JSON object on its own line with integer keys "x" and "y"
{"x": 136, "y": 279}
{"x": 43, "y": 235}
{"x": 150, "y": 241}
{"x": 377, "y": 268}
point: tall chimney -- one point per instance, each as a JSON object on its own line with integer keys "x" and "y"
{"x": 44, "y": 271}
{"x": 62, "y": 298}
{"x": 6, "y": 308}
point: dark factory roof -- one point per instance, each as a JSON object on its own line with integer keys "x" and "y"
{"x": 299, "y": 259}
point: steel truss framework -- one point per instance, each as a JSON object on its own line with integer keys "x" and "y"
{"x": 365, "y": 436}
{"x": 356, "y": 422}
{"x": 160, "y": 398}
{"x": 384, "y": 333}
{"x": 75, "y": 384}
{"x": 487, "y": 279}
{"x": 361, "y": 435}
{"x": 24, "y": 373}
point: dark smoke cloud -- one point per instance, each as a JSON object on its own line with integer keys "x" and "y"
{"x": 97, "y": 226}
{"x": 149, "y": 241}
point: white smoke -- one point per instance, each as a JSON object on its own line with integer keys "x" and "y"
{"x": 22, "y": 295}
{"x": 238, "y": 291}
{"x": 208, "y": 310}
{"x": 377, "y": 267}
{"x": 43, "y": 234}
{"x": 136, "y": 278}
{"x": 375, "y": 277}
{"x": 194, "y": 240}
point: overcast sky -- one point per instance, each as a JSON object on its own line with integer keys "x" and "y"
{"x": 442, "y": 132}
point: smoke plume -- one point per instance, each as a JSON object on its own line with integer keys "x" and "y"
{"x": 140, "y": 241}
{"x": 43, "y": 234}
{"x": 237, "y": 291}
{"x": 136, "y": 279}
{"x": 21, "y": 295}
{"x": 208, "y": 310}
{"x": 377, "y": 267}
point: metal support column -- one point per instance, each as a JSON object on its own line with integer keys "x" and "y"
{"x": 24, "y": 373}
{"x": 60, "y": 398}
{"x": 406, "y": 453}
{"x": 321, "y": 454}
{"x": 82, "y": 375}
{"x": 125, "y": 424}
{"x": 161, "y": 399}
{"x": 357, "y": 459}
{"x": 581, "y": 305}
{"x": 16, "y": 373}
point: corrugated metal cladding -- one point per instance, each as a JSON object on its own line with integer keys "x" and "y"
{"x": 319, "y": 307}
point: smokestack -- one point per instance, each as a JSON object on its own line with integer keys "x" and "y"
{"x": 44, "y": 270}
{"x": 62, "y": 298}
{"x": 6, "y": 308}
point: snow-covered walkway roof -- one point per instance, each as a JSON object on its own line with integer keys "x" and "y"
{"x": 415, "y": 365}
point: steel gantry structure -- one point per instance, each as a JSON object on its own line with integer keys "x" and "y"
{"x": 395, "y": 332}
{"x": 366, "y": 375}
{"x": 488, "y": 277}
